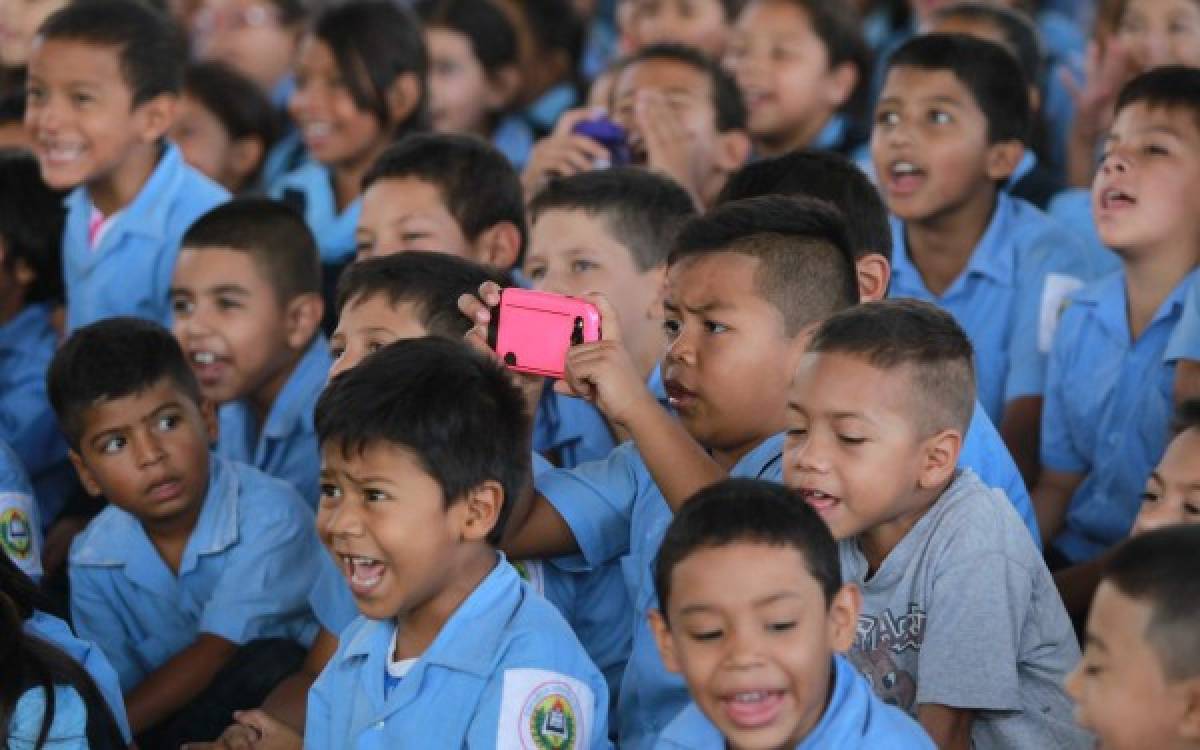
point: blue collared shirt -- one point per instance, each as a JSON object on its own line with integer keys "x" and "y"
{"x": 570, "y": 429}
{"x": 854, "y": 718}
{"x": 129, "y": 272}
{"x": 1185, "y": 342}
{"x": 985, "y": 453}
{"x": 68, "y": 729}
{"x": 504, "y": 672}
{"x": 20, "y": 527}
{"x": 286, "y": 445}
{"x": 1007, "y": 298}
{"x": 244, "y": 575}
{"x": 333, "y": 229}
{"x": 514, "y": 138}
{"x": 1108, "y": 409}
{"x": 616, "y": 512}
{"x": 1072, "y": 209}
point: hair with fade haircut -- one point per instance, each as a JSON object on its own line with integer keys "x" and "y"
{"x": 906, "y": 333}
{"x": 31, "y": 224}
{"x": 751, "y": 511}
{"x": 806, "y": 268}
{"x": 111, "y": 359}
{"x": 1168, "y": 87}
{"x": 477, "y": 183}
{"x": 1020, "y": 34}
{"x": 827, "y": 176}
{"x": 430, "y": 282}
{"x": 642, "y": 210}
{"x": 458, "y": 413}
{"x": 1162, "y": 569}
{"x": 727, "y": 98}
{"x": 150, "y": 50}
{"x": 989, "y": 71}
{"x": 238, "y": 104}
{"x": 272, "y": 234}
{"x": 488, "y": 29}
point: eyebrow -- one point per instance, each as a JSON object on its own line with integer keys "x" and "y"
{"x": 237, "y": 289}
{"x": 704, "y": 607}
{"x": 695, "y": 309}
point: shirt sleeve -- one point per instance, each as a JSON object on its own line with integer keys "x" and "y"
{"x": 319, "y": 712}
{"x": 26, "y": 420}
{"x": 530, "y": 707}
{"x": 68, "y": 728}
{"x": 1185, "y": 341}
{"x": 1058, "y": 449}
{"x": 95, "y": 621}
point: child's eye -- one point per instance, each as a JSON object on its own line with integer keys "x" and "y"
{"x": 1149, "y": 497}
{"x": 227, "y": 303}
{"x": 536, "y": 274}
{"x": 81, "y": 98}
{"x": 1191, "y": 509}
{"x": 374, "y": 496}
{"x": 938, "y": 117}
{"x": 713, "y": 326}
{"x": 1153, "y": 149}
{"x": 413, "y": 236}
{"x": 374, "y": 346}
{"x": 1091, "y": 670}
{"x": 167, "y": 422}
{"x": 182, "y": 307}
{"x": 797, "y": 432}
{"x": 781, "y": 627}
{"x": 582, "y": 266}
{"x": 337, "y": 351}
{"x": 672, "y": 328}
{"x": 852, "y": 440}
{"x": 888, "y": 118}
{"x": 705, "y": 635}
{"x": 112, "y": 445}
{"x": 330, "y": 491}
{"x": 34, "y": 94}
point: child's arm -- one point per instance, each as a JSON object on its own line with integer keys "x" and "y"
{"x": 288, "y": 701}
{"x": 1051, "y": 498}
{"x": 1021, "y": 429}
{"x": 949, "y": 728}
{"x": 563, "y": 153}
{"x": 184, "y": 676}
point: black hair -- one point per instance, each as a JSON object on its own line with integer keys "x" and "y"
{"x": 1186, "y": 417}
{"x": 753, "y": 511}
{"x": 555, "y": 25}
{"x": 30, "y": 663}
{"x": 806, "y": 268}
{"x": 238, "y": 104}
{"x": 477, "y": 183}
{"x": 827, "y": 176}
{"x": 374, "y": 42}
{"x": 31, "y": 224}
{"x": 489, "y": 30}
{"x": 1170, "y": 87}
{"x": 728, "y": 103}
{"x": 110, "y": 359}
{"x": 1020, "y": 33}
{"x": 1161, "y": 568}
{"x": 990, "y": 72}
{"x": 12, "y": 108}
{"x": 906, "y": 333}
{"x": 643, "y": 210}
{"x": 457, "y": 412}
{"x": 839, "y": 28}
{"x": 273, "y": 234}
{"x": 430, "y": 282}
{"x": 149, "y": 47}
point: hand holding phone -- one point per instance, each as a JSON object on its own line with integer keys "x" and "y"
{"x": 532, "y": 331}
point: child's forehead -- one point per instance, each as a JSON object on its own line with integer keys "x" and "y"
{"x": 1181, "y": 461}
{"x": 858, "y": 386}
{"x": 80, "y": 59}
{"x": 670, "y": 76}
{"x": 220, "y": 266}
{"x": 1141, "y": 117}
{"x": 777, "y": 571}
{"x": 713, "y": 279}
{"x": 370, "y": 457}
{"x": 399, "y": 193}
{"x": 377, "y": 310}
{"x": 110, "y": 412}
{"x": 909, "y": 83}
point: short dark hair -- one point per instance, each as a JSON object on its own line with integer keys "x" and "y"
{"x": 430, "y": 282}
{"x": 839, "y": 28}
{"x": 1162, "y": 569}
{"x": 827, "y": 176}
{"x": 1170, "y": 87}
{"x": 555, "y": 25}
{"x": 477, "y": 183}
{"x": 987, "y": 70}
{"x": 727, "y": 97}
{"x": 489, "y": 30}
{"x": 753, "y": 511}
{"x": 459, "y": 413}
{"x": 149, "y": 47}
{"x": 1186, "y": 417}
{"x": 1020, "y": 33}
{"x": 273, "y": 234}
{"x": 31, "y": 224}
{"x": 110, "y": 359}
{"x": 644, "y": 211}
{"x": 238, "y": 104}
{"x": 806, "y": 268}
{"x": 892, "y": 334}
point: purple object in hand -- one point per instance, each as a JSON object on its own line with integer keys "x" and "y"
{"x": 608, "y": 134}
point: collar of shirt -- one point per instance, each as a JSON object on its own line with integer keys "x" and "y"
{"x": 544, "y": 112}
{"x": 292, "y": 408}
{"x": 1108, "y": 300}
{"x": 30, "y": 324}
{"x": 832, "y": 134}
{"x": 759, "y": 463}
{"x": 1028, "y": 163}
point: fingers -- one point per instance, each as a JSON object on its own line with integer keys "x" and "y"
{"x": 610, "y": 326}
{"x": 572, "y": 117}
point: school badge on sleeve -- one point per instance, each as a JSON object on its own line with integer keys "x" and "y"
{"x": 19, "y": 532}
{"x": 543, "y": 710}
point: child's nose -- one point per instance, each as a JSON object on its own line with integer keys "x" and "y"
{"x": 147, "y": 449}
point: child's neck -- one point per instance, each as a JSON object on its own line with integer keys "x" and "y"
{"x": 170, "y": 536}
{"x": 419, "y": 627}
{"x": 878, "y": 542}
{"x": 348, "y": 176}
{"x": 1150, "y": 277}
{"x": 800, "y": 138}
{"x": 262, "y": 399}
{"x": 941, "y": 246}
{"x": 114, "y": 191}
{"x": 728, "y": 457}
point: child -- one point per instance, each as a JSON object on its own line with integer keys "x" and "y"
{"x": 360, "y": 85}
{"x": 702, "y": 24}
{"x": 451, "y": 645}
{"x": 799, "y": 64}
{"x": 755, "y": 616}
{"x": 246, "y": 296}
{"x": 1139, "y": 682}
{"x": 875, "y": 420}
{"x": 949, "y": 131}
{"x": 225, "y": 126}
{"x": 1099, "y": 443}
{"x": 133, "y": 195}
{"x": 443, "y": 193}
{"x": 193, "y": 580}
{"x": 550, "y": 37}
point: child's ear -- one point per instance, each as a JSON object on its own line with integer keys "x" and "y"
{"x": 302, "y": 318}
{"x": 1003, "y": 158}
{"x": 666, "y": 644}
{"x": 874, "y": 275}
{"x": 504, "y": 86}
{"x": 843, "y": 78}
{"x": 498, "y": 246}
{"x": 403, "y": 97}
{"x": 843, "y": 617}
{"x": 482, "y": 505}
{"x": 246, "y": 153}
{"x": 733, "y": 149}
{"x": 1189, "y": 726}
{"x": 940, "y": 458}
{"x": 155, "y": 116}
{"x": 90, "y": 485}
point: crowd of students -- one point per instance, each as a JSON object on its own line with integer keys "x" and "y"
{"x": 891, "y": 437}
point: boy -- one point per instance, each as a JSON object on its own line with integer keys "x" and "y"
{"x": 702, "y": 24}
{"x": 1099, "y": 443}
{"x": 743, "y": 284}
{"x": 1139, "y": 682}
{"x": 104, "y": 79}
{"x": 950, "y": 128}
{"x": 193, "y": 579}
{"x": 875, "y": 422}
{"x": 423, "y": 447}
{"x": 247, "y": 304}
{"x": 755, "y": 616}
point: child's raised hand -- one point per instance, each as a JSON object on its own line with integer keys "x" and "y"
{"x": 562, "y": 153}
{"x": 479, "y": 309}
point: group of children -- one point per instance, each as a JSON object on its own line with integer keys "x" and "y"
{"x": 885, "y": 442}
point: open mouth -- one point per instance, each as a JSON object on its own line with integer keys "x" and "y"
{"x": 753, "y": 708}
{"x": 677, "y": 395}
{"x": 207, "y": 365}
{"x": 59, "y": 154}
{"x": 905, "y": 177}
{"x": 363, "y": 573}
{"x": 822, "y": 502}
{"x": 1116, "y": 199}
{"x": 165, "y": 490}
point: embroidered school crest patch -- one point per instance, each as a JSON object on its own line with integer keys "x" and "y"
{"x": 544, "y": 710}
{"x": 552, "y": 723}
{"x": 16, "y": 534}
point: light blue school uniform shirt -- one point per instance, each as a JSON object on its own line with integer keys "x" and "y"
{"x": 1185, "y": 342}
{"x": 854, "y": 718}
{"x": 286, "y": 445}
{"x": 68, "y": 729}
{"x": 1108, "y": 410}
{"x": 504, "y": 672}
{"x": 129, "y": 271}
{"x": 1007, "y": 298}
{"x": 311, "y": 185}
{"x": 244, "y": 575}
{"x": 570, "y": 430}
{"x": 985, "y": 453}
{"x": 616, "y": 512}
{"x": 1072, "y": 209}
{"x": 20, "y": 526}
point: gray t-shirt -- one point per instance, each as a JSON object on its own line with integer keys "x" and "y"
{"x": 964, "y": 613}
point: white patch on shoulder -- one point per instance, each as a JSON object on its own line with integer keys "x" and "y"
{"x": 20, "y": 532}
{"x": 544, "y": 710}
{"x": 1054, "y": 301}
{"x": 532, "y": 572}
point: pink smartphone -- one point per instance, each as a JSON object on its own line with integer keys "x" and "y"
{"x": 531, "y": 331}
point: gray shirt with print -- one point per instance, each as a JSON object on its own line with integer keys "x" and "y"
{"x": 964, "y": 613}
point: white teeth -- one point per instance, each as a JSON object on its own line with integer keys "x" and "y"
{"x": 204, "y": 358}
{"x": 904, "y": 167}
{"x": 755, "y": 697}
{"x": 63, "y": 153}
{"x": 317, "y": 129}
